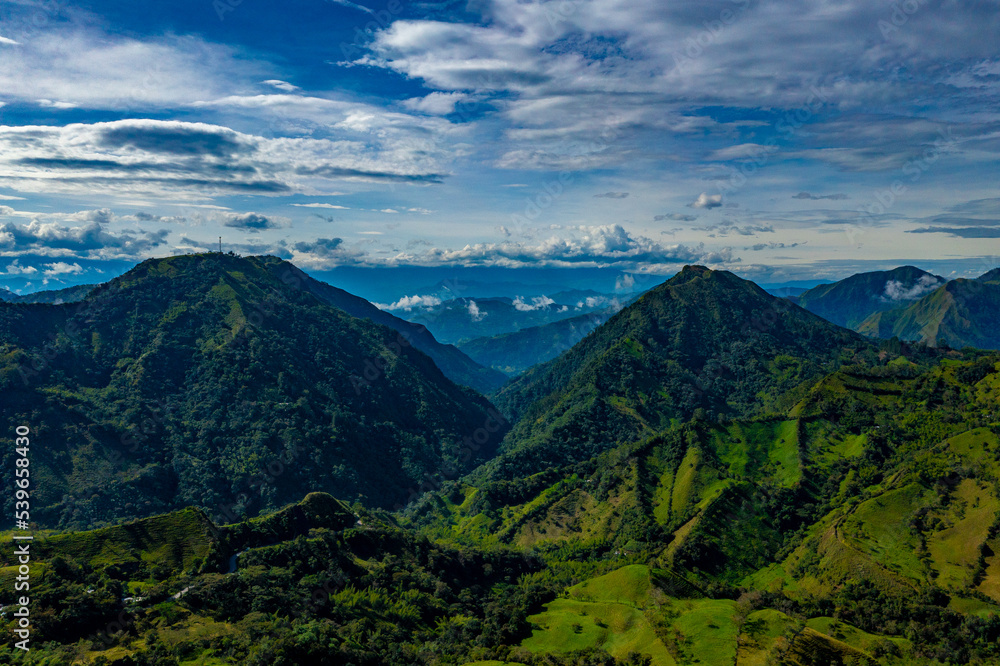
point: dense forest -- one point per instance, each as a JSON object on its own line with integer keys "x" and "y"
{"x": 713, "y": 476}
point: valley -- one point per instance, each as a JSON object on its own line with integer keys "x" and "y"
{"x": 713, "y": 475}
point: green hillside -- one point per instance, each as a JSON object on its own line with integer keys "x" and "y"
{"x": 453, "y": 363}
{"x": 823, "y": 499}
{"x": 962, "y": 313}
{"x": 875, "y": 500}
{"x": 217, "y": 381}
{"x": 54, "y": 296}
{"x": 703, "y": 340}
{"x": 850, "y": 301}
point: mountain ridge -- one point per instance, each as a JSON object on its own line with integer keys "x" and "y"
{"x": 188, "y": 378}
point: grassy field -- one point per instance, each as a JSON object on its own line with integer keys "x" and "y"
{"x": 880, "y": 527}
{"x": 955, "y": 550}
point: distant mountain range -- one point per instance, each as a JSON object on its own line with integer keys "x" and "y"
{"x": 913, "y": 305}
{"x": 513, "y": 353}
{"x": 463, "y": 319}
{"x": 852, "y": 300}
{"x": 54, "y": 296}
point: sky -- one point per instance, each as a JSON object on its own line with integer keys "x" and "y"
{"x": 792, "y": 140}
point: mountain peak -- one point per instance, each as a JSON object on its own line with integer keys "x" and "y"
{"x": 691, "y": 272}
{"x": 689, "y": 343}
{"x": 852, "y": 300}
{"x": 237, "y": 360}
{"x": 990, "y": 276}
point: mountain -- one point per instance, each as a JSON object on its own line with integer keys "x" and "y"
{"x": 819, "y": 499}
{"x": 852, "y": 300}
{"x": 991, "y": 276}
{"x": 55, "y": 296}
{"x": 6, "y": 295}
{"x": 453, "y": 363}
{"x": 316, "y": 582}
{"x": 859, "y": 525}
{"x": 463, "y": 319}
{"x": 791, "y": 293}
{"x": 224, "y": 382}
{"x": 703, "y": 340}
{"x": 961, "y": 313}
{"x": 513, "y": 353}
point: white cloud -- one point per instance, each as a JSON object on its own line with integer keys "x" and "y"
{"x": 624, "y": 281}
{"x": 322, "y": 205}
{"x": 96, "y": 70}
{"x": 281, "y": 85}
{"x": 617, "y": 80}
{"x": 173, "y": 158}
{"x": 49, "y": 104}
{"x": 436, "y": 103}
{"x": 6, "y": 41}
{"x": 707, "y": 201}
{"x": 537, "y": 303}
{"x": 897, "y": 291}
{"x": 608, "y": 245}
{"x": 411, "y": 302}
{"x": 62, "y": 268}
{"x": 474, "y": 311}
{"x": 85, "y": 234}
{"x": 352, "y": 5}
{"x": 15, "y": 268}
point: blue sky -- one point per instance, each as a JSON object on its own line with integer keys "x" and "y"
{"x": 792, "y": 140}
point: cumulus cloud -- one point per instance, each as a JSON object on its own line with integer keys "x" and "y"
{"x": 89, "y": 239}
{"x": 62, "y": 268}
{"x": 321, "y": 247}
{"x": 897, "y": 291}
{"x": 15, "y": 268}
{"x": 411, "y": 302}
{"x": 253, "y": 221}
{"x": 624, "y": 282}
{"x": 536, "y": 303}
{"x": 436, "y": 103}
{"x": 474, "y": 311}
{"x": 707, "y": 201}
{"x": 607, "y": 245}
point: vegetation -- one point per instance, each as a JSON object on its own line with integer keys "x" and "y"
{"x": 821, "y": 499}
{"x": 222, "y": 382}
{"x": 852, "y": 300}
